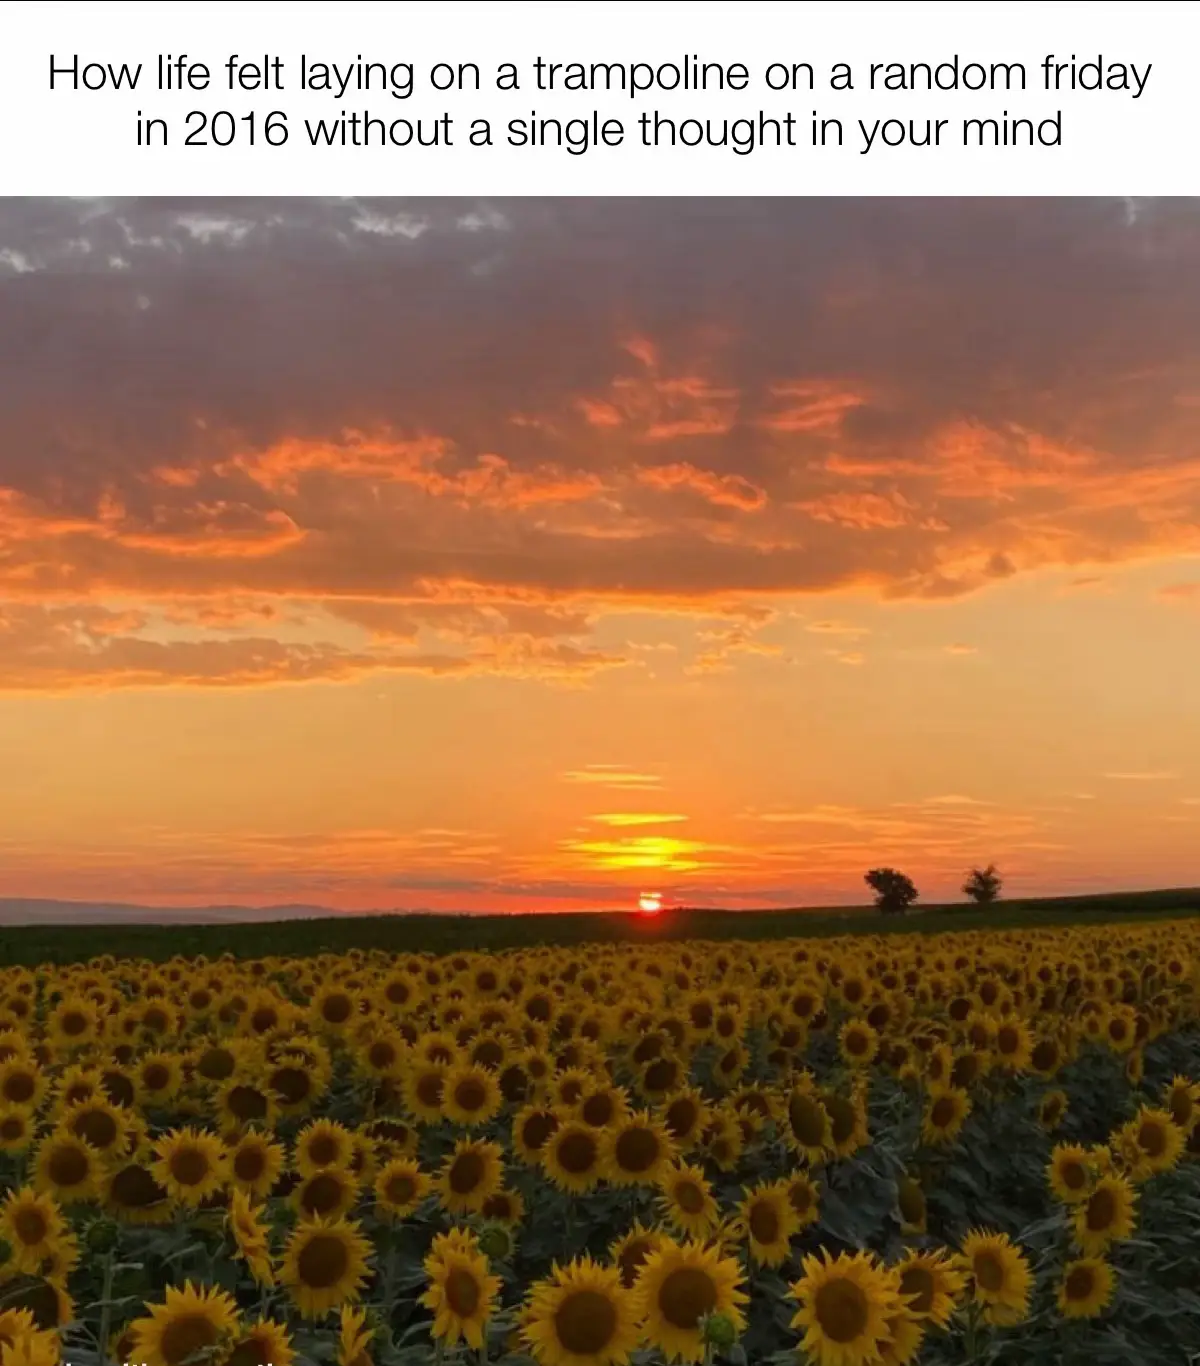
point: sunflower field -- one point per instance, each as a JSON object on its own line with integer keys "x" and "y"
{"x": 957, "y": 1148}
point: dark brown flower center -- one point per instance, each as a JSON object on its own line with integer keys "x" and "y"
{"x": 637, "y": 1150}
{"x": 764, "y": 1222}
{"x": 918, "y": 1282}
{"x": 186, "y": 1336}
{"x": 462, "y": 1292}
{"x": 577, "y": 1153}
{"x": 842, "y": 1310}
{"x": 685, "y": 1296}
{"x": 585, "y": 1322}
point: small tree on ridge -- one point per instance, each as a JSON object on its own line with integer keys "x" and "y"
{"x": 894, "y": 892}
{"x": 983, "y": 885}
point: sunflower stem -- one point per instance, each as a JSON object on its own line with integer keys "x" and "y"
{"x": 110, "y": 1262}
{"x": 972, "y": 1336}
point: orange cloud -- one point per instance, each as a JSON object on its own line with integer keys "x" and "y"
{"x": 723, "y": 490}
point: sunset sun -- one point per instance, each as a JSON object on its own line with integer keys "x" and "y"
{"x": 650, "y": 903}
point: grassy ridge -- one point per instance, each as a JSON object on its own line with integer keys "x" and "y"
{"x": 446, "y": 933}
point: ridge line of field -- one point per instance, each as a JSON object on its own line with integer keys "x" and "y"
{"x": 439, "y": 933}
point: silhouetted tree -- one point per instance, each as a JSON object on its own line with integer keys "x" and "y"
{"x": 894, "y": 893}
{"x": 983, "y": 884}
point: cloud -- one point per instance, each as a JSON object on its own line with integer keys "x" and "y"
{"x": 1180, "y": 592}
{"x": 837, "y": 628}
{"x": 612, "y": 775}
{"x": 1143, "y": 776}
{"x": 400, "y": 406}
{"x": 622, "y": 819}
{"x": 88, "y": 647}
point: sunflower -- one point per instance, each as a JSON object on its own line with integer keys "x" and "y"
{"x": 769, "y": 1221}
{"x": 932, "y": 1285}
{"x": 470, "y": 1095}
{"x": 1000, "y": 1277}
{"x": 323, "y": 1143}
{"x": 846, "y": 1302}
{"x": 16, "y": 1128}
{"x": 35, "y": 1301}
{"x": 67, "y": 1168}
{"x": 327, "y": 1194}
{"x": 324, "y": 1265}
{"x": 906, "y": 1335}
{"x": 505, "y": 1207}
{"x": 158, "y": 1077}
{"x": 191, "y": 1164}
{"x": 1046, "y": 1056}
{"x": 21, "y": 1083}
{"x": 76, "y": 1083}
{"x": 98, "y": 1122}
{"x": 911, "y": 1203}
{"x": 1107, "y": 1216}
{"x": 847, "y": 1120}
{"x": 804, "y": 1198}
{"x": 603, "y": 1106}
{"x": 255, "y": 1162}
{"x": 724, "y": 1137}
{"x": 382, "y": 1054}
{"x": 1070, "y": 1173}
{"x": 1086, "y": 1288}
{"x": 1182, "y": 1099}
{"x": 945, "y": 1113}
{"x": 354, "y": 1339}
{"x": 133, "y": 1195}
{"x": 1150, "y": 1143}
{"x": 424, "y": 1088}
{"x": 31, "y": 1349}
{"x": 680, "y": 1286}
{"x": 33, "y": 1226}
{"x": 581, "y": 1315}
{"x": 400, "y": 1187}
{"x": 637, "y": 1151}
{"x": 242, "y": 1102}
{"x": 807, "y": 1126}
{"x": 1051, "y": 1110}
{"x": 216, "y": 1062}
{"x": 294, "y": 1084}
{"x": 687, "y": 1202}
{"x": 472, "y": 1172}
{"x": 628, "y": 1252}
{"x": 661, "y": 1077}
{"x": 462, "y": 1294}
{"x": 73, "y": 1023}
{"x": 190, "y": 1321}
{"x": 532, "y": 1130}
{"x": 571, "y": 1157}
{"x": 250, "y": 1238}
{"x": 392, "y": 1138}
{"x": 858, "y": 1043}
{"x": 256, "y": 1344}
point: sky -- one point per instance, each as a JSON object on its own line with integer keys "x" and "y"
{"x": 533, "y": 554}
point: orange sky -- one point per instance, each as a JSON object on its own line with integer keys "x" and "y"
{"x": 529, "y": 554}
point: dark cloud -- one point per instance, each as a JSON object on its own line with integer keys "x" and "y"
{"x": 571, "y": 404}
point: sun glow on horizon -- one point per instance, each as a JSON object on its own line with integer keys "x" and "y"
{"x": 650, "y": 903}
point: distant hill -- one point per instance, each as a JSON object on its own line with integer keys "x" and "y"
{"x": 15, "y": 912}
{"x": 18, "y": 912}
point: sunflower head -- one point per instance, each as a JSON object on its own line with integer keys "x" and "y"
{"x": 680, "y": 1288}
{"x": 1086, "y": 1288}
{"x": 325, "y": 1265}
{"x": 189, "y": 1322}
{"x": 999, "y": 1276}
{"x": 581, "y": 1312}
{"x": 462, "y": 1292}
{"x": 846, "y": 1305}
